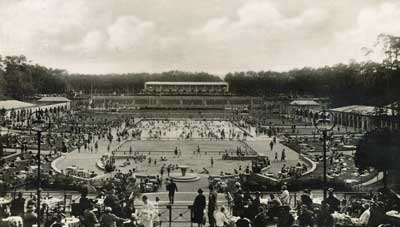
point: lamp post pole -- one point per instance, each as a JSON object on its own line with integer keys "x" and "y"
{"x": 324, "y": 137}
{"x": 37, "y": 122}
{"x": 324, "y": 123}
{"x": 39, "y": 135}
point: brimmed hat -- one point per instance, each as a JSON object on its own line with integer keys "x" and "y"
{"x": 30, "y": 208}
{"x": 365, "y": 205}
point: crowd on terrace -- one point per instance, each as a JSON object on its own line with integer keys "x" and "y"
{"x": 116, "y": 205}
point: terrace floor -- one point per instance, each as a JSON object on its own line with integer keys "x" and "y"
{"x": 155, "y": 148}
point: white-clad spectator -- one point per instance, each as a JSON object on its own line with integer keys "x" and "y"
{"x": 146, "y": 213}
{"x": 157, "y": 212}
{"x": 220, "y": 218}
{"x": 364, "y": 217}
{"x": 284, "y": 196}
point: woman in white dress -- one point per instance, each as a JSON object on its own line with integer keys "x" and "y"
{"x": 157, "y": 212}
{"x": 146, "y": 213}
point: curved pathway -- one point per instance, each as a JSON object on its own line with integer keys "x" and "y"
{"x": 86, "y": 159}
{"x": 371, "y": 181}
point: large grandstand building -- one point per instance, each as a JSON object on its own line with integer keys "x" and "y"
{"x": 186, "y": 88}
{"x": 179, "y": 95}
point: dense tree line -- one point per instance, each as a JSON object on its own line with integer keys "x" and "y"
{"x": 355, "y": 83}
{"x": 22, "y": 80}
{"x": 367, "y": 83}
{"x": 379, "y": 149}
{"x": 130, "y": 83}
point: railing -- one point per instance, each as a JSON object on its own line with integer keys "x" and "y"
{"x": 170, "y": 215}
{"x": 242, "y": 129}
{"x": 65, "y": 198}
{"x": 296, "y": 196}
{"x": 248, "y": 147}
{"x": 63, "y": 203}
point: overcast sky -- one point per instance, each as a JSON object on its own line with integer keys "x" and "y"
{"x": 216, "y": 36}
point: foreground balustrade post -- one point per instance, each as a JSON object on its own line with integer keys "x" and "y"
{"x": 170, "y": 215}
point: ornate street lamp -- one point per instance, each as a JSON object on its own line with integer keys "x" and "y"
{"x": 39, "y": 121}
{"x": 324, "y": 122}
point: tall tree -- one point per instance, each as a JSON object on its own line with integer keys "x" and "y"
{"x": 391, "y": 64}
{"x": 18, "y": 77}
{"x": 380, "y": 149}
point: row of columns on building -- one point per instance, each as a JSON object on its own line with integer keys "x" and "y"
{"x": 187, "y": 88}
{"x": 366, "y": 122}
{"x": 22, "y": 113}
{"x": 158, "y": 102}
{"x": 354, "y": 120}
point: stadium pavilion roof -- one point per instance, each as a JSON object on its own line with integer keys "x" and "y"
{"x": 14, "y": 104}
{"x": 357, "y": 109}
{"x": 304, "y": 103}
{"x": 364, "y": 110}
{"x": 184, "y": 83}
{"x": 54, "y": 99}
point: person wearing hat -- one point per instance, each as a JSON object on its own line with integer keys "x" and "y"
{"x": 332, "y": 201}
{"x": 324, "y": 216}
{"x": 285, "y": 219}
{"x": 84, "y": 202}
{"x": 243, "y": 222}
{"x": 377, "y": 214}
{"x": 199, "y": 205}
{"x": 58, "y": 222}
{"x": 32, "y": 202}
{"x": 157, "y": 211}
{"x": 261, "y": 219}
{"x": 212, "y": 205}
{"x": 238, "y": 203}
{"x": 109, "y": 219}
{"x": 238, "y": 187}
{"x": 147, "y": 212}
{"x": 257, "y": 200}
{"x": 101, "y": 195}
{"x": 284, "y": 196}
{"x": 29, "y": 218}
{"x": 111, "y": 200}
{"x": 17, "y": 205}
{"x": 89, "y": 217}
{"x": 364, "y": 218}
{"x": 305, "y": 199}
{"x": 171, "y": 188}
{"x": 305, "y": 216}
{"x": 220, "y": 217}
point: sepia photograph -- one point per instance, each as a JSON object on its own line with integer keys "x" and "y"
{"x": 199, "y": 113}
